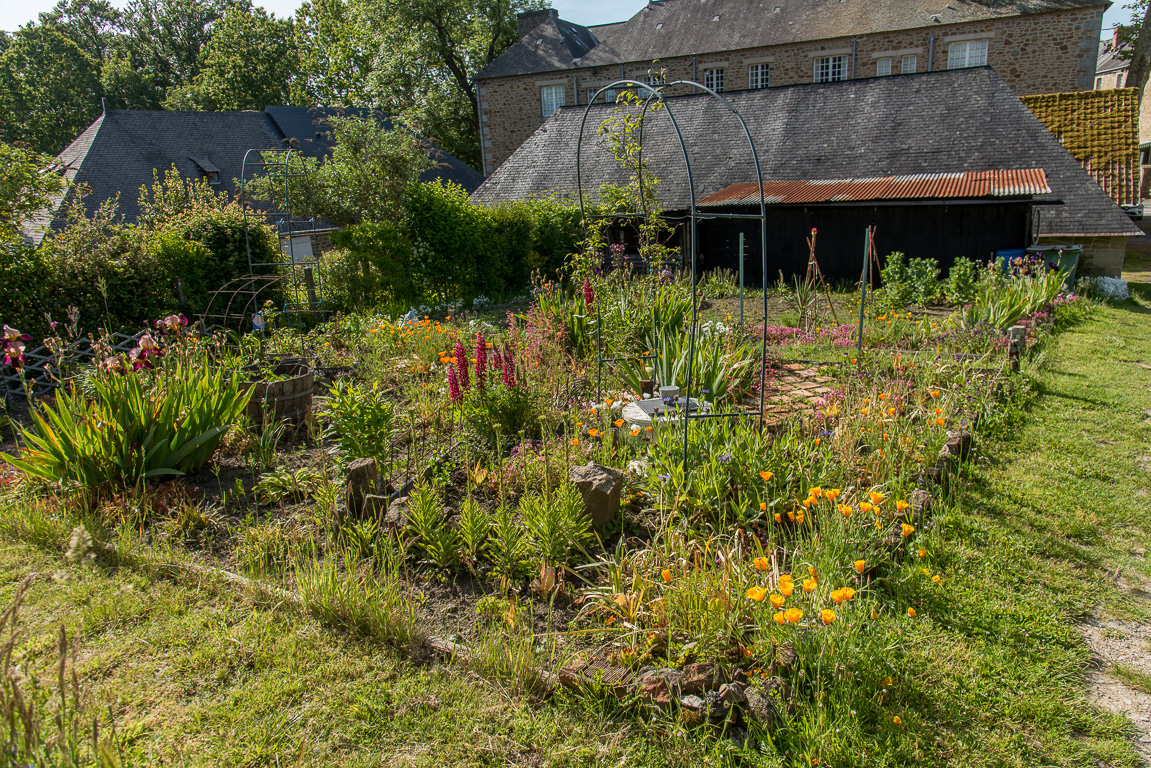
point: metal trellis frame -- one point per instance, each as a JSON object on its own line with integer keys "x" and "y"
{"x": 656, "y": 95}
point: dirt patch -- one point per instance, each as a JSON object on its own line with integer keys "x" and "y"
{"x": 1120, "y": 644}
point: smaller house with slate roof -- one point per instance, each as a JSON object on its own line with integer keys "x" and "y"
{"x": 948, "y": 164}
{"x": 118, "y": 153}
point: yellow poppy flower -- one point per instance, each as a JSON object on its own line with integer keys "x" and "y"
{"x": 845, "y": 510}
{"x": 922, "y": 552}
{"x": 865, "y": 507}
{"x": 837, "y": 596}
{"x": 876, "y": 497}
{"x": 901, "y": 505}
{"x": 848, "y": 593}
{"x": 793, "y": 615}
{"x": 762, "y": 564}
{"x": 757, "y": 594}
{"x": 786, "y": 587}
{"x": 778, "y": 618}
{"x": 832, "y": 493}
{"x": 911, "y": 612}
{"x": 809, "y": 585}
{"x": 777, "y": 601}
{"x": 860, "y": 565}
{"x": 896, "y": 720}
{"x": 907, "y": 529}
{"x": 827, "y": 615}
{"x": 937, "y": 578}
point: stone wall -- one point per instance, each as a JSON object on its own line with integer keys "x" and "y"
{"x": 1037, "y": 53}
{"x": 1101, "y": 255}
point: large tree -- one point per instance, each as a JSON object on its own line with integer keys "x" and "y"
{"x": 335, "y": 50}
{"x": 1138, "y": 48}
{"x": 249, "y": 63}
{"x": 169, "y": 36}
{"x": 49, "y": 89}
{"x": 95, "y": 25}
{"x": 427, "y": 53}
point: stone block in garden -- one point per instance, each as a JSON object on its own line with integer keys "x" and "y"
{"x": 600, "y": 487}
{"x": 362, "y": 478}
{"x": 701, "y": 677}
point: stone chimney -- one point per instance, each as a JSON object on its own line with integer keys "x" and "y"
{"x": 531, "y": 19}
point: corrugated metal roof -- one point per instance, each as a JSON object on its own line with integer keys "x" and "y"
{"x": 969, "y": 184}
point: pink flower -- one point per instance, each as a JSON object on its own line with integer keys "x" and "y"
{"x": 481, "y": 359}
{"x": 462, "y": 364}
{"x": 509, "y": 370}
{"x": 454, "y": 386}
{"x": 588, "y": 293}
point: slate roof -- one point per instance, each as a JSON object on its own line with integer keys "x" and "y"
{"x": 939, "y": 122}
{"x": 117, "y": 153}
{"x": 1110, "y": 59}
{"x": 665, "y": 28}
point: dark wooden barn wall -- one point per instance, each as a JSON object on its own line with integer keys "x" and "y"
{"x": 944, "y": 233}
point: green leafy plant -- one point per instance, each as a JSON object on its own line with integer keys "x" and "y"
{"x": 439, "y": 543}
{"x": 507, "y": 548}
{"x": 558, "y": 525}
{"x": 923, "y": 275}
{"x": 286, "y": 485}
{"x": 137, "y": 427}
{"x": 361, "y": 420}
{"x": 721, "y": 371}
{"x": 961, "y": 282}
{"x": 898, "y": 290}
{"x": 473, "y": 529}
{"x": 501, "y": 413}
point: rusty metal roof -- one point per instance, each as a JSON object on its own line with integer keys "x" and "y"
{"x": 966, "y": 185}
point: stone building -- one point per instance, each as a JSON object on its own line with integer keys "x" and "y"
{"x": 1036, "y": 46}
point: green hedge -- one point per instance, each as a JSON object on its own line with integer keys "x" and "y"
{"x": 121, "y": 277}
{"x": 449, "y": 249}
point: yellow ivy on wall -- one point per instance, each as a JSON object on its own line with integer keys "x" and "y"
{"x": 1100, "y": 129}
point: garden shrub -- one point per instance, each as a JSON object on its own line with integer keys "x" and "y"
{"x": 961, "y": 282}
{"x": 897, "y": 288}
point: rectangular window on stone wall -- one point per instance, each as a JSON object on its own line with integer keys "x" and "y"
{"x": 758, "y": 76}
{"x": 969, "y": 53}
{"x": 908, "y": 65}
{"x": 713, "y": 79}
{"x": 649, "y": 80}
{"x": 830, "y": 69}
{"x": 883, "y": 66}
{"x": 552, "y": 97}
{"x": 608, "y": 96}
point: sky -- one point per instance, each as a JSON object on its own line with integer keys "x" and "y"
{"x": 14, "y": 14}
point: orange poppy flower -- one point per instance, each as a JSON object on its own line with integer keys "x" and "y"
{"x": 827, "y": 616}
{"x": 666, "y": 574}
{"x": 911, "y": 612}
{"x": 860, "y": 565}
{"x": 837, "y": 596}
{"x": 618, "y": 423}
{"x": 766, "y": 475}
{"x": 845, "y": 510}
{"x": 907, "y": 529}
{"x": 832, "y": 493}
{"x": 778, "y": 618}
{"x": 865, "y": 507}
{"x": 593, "y": 432}
{"x": 757, "y": 594}
{"x": 777, "y": 601}
{"x": 901, "y": 505}
{"x": 793, "y": 615}
{"x": 809, "y": 585}
{"x": 634, "y": 432}
{"x": 762, "y": 564}
{"x": 763, "y": 506}
{"x": 876, "y": 497}
{"x": 786, "y": 588}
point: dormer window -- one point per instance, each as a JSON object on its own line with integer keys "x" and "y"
{"x": 208, "y": 172}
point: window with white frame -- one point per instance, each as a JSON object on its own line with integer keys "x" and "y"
{"x": 758, "y": 76}
{"x": 552, "y": 97}
{"x": 608, "y": 95}
{"x": 830, "y": 69}
{"x": 648, "y": 80}
{"x": 713, "y": 79}
{"x": 969, "y": 53}
{"x": 908, "y": 65}
{"x": 883, "y": 66}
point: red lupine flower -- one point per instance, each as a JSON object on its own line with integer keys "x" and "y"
{"x": 588, "y": 293}
{"x": 462, "y": 364}
{"x": 481, "y": 359}
{"x": 454, "y": 386}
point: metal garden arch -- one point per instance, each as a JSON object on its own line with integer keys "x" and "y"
{"x": 656, "y": 96}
